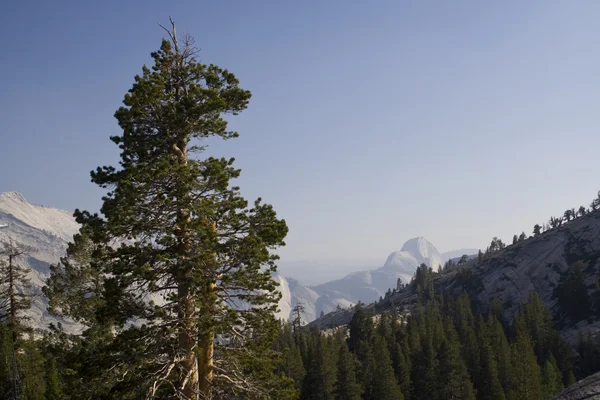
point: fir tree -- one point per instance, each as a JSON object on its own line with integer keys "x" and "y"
{"x": 401, "y": 369}
{"x": 346, "y": 386}
{"x": 319, "y": 382}
{"x": 502, "y": 353}
{"x": 384, "y": 386}
{"x": 571, "y": 293}
{"x": 552, "y": 381}
{"x": 488, "y": 385}
{"x": 52, "y": 380}
{"x": 31, "y": 366}
{"x": 185, "y": 237}
{"x": 525, "y": 374}
{"x": 12, "y": 301}
{"x": 292, "y": 365}
{"x": 453, "y": 381}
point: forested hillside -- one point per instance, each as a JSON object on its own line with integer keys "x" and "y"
{"x": 440, "y": 350}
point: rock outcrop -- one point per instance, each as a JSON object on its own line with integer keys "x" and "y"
{"x": 585, "y": 389}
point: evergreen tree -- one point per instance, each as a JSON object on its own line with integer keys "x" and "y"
{"x": 319, "y": 383}
{"x": 52, "y": 380}
{"x": 502, "y": 353}
{"x": 346, "y": 386}
{"x": 423, "y": 370}
{"x": 15, "y": 351}
{"x": 488, "y": 383}
{"x": 384, "y": 386}
{"x": 31, "y": 366}
{"x": 522, "y": 237}
{"x": 186, "y": 237}
{"x": 402, "y": 370}
{"x": 525, "y": 374}
{"x": 552, "y": 382}
{"x": 292, "y": 365}
{"x": 571, "y": 293}
{"x": 12, "y": 301}
{"x": 537, "y": 230}
{"x": 453, "y": 380}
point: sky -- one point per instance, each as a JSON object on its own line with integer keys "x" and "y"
{"x": 370, "y": 122}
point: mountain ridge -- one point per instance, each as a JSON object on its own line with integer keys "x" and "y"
{"x": 46, "y": 231}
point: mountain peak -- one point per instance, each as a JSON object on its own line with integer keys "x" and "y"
{"x": 12, "y": 196}
{"x": 419, "y": 249}
{"x": 15, "y": 209}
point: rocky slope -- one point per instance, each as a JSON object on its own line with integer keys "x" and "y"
{"x": 534, "y": 264}
{"x": 585, "y": 389}
{"x": 45, "y": 232}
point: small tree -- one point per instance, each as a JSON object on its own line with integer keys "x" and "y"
{"x": 537, "y": 230}
{"x": 568, "y": 215}
{"x": 12, "y": 277}
{"x": 582, "y": 211}
{"x": 515, "y": 239}
{"x": 297, "y": 311}
{"x": 522, "y": 237}
{"x": 555, "y": 222}
{"x": 13, "y": 301}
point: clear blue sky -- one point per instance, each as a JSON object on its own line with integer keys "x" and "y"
{"x": 370, "y": 122}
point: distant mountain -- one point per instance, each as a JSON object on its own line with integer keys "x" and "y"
{"x": 453, "y": 254}
{"x": 315, "y": 272}
{"x": 365, "y": 286}
{"x": 45, "y": 232}
{"x": 538, "y": 263}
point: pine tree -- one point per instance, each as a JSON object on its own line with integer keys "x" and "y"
{"x": 31, "y": 366}
{"x": 551, "y": 378}
{"x": 346, "y": 386}
{"x": 499, "y": 344}
{"x": 401, "y": 369}
{"x": 571, "y": 293}
{"x": 12, "y": 305}
{"x": 319, "y": 383}
{"x": 424, "y": 366}
{"x": 52, "y": 381}
{"x": 537, "y": 230}
{"x": 488, "y": 383}
{"x": 192, "y": 261}
{"x": 12, "y": 301}
{"x": 525, "y": 374}
{"x": 292, "y": 365}
{"x": 384, "y": 386}
{"x": 489, "y": 387}
{"x": 453, "y": 380}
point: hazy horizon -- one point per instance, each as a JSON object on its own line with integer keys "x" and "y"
{"x": 370, "y": 124}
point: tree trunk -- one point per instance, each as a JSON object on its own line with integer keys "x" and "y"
{"x": 188, "y": 327}
{"x": 11, "y": 288}
{"x": 207, "y": 344}
{"x": 188, "y": 359}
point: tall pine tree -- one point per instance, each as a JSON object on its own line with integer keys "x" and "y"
{"x": 346, "y": 386}
{"x": 177, "y": 248}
